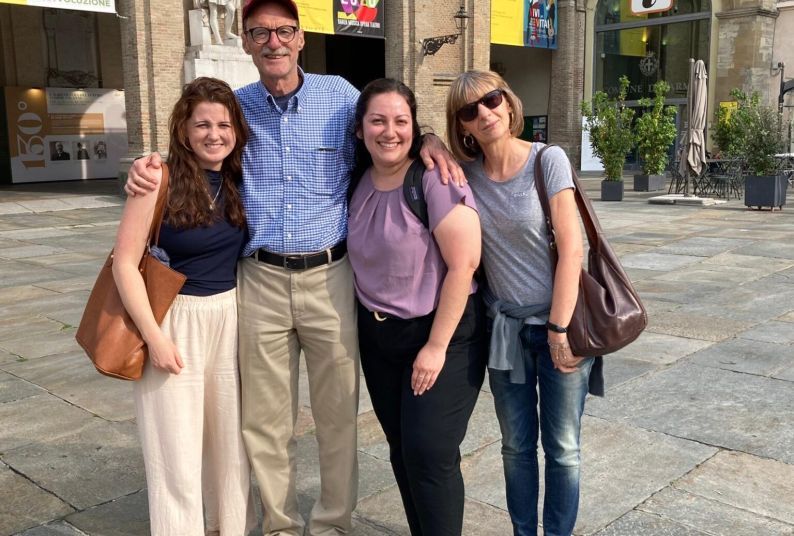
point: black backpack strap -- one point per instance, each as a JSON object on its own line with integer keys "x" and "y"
{"x": 414, "y": 193}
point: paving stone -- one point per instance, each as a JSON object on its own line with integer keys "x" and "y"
{"x": 750, "y": 483}
{"x": 642, "y": 524}
{"x": 650, "y": 238}
{"x": 82, "y": 282}
{"x": 31, "y": 325}
{"x": 71, "y": 261}
{"x": 710, "y": 273}
{"x": 478, "y": 518}
{"x": 742, "y": 355}
{"x": 686, "y": 324}
{"x": 127, "y": 516}
{"x": 761, "y": 263}
{"x": 39, "y": 232}
{"x": 746, "y": 303}
{"x": 621, "y": 467}
{"x": 30, "y": 419}
{"x": 658, "y": 261}
{"x": 618, "y": 370}
{"x": 75, "y": 467}
{"x": 678, "y": 292}
{"x": 769, "y": 248}
{"x": 58, "y": 528}
{"x": 22, "y": 293}
{"x": 702, "y": 246}
{"x": 23, "y": 504}
{"x": 29, "y": 250}
{"x": 72, "y": 377}
{"x": 788, "y": 317}
{"x": 17, "y": 274}
{"x": 711, "y": 516}
{"x": 13, "y": 388}
{"x": 639, "y": 274}
{"x": 32, "y": 347}
{"x": 659, "y": 349}
{"x": 713, "y": 406}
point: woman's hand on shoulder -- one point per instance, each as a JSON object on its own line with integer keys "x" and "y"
{"x": 427, "y": 366}
{"x": 434, "y": 153}
{"x": 164, "y": 354}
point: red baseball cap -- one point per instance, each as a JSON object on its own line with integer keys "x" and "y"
{"x": 289, "y": 5}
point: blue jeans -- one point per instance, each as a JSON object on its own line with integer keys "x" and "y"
{"x": 561, "y": 406}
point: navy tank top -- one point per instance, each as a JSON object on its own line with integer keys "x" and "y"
{"x": 206, "y": 255}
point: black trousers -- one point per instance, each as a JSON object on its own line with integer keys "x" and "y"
{"x": 425, "y": 432}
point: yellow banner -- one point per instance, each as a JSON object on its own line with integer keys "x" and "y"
{"x": 101, "y": 6}
{"x": 507, "y": 20}
{"x": 316, "y": 15}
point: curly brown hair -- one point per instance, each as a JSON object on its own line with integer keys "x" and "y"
{"x": 188, "y": 203}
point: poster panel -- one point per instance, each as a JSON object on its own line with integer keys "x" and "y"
{"x": 528, "y": 23}
{"x": 64, "y": 133}
{"x": 506, "y": 19}
{"x": 362, "y": 18}
{"x": 100, "y": 6}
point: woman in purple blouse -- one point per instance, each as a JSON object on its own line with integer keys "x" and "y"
{"x": 420, "y": 321}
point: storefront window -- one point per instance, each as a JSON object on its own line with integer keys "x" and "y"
{"x": 652, "y": 47}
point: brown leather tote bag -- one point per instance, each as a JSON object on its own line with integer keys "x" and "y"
{"x": 106, "y": 332}
{"x": 608, "y": 313}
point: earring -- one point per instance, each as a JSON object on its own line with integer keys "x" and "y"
{"x": 468, "y": 142}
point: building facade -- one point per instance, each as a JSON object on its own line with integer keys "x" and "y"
{"x": 554, "y": 53}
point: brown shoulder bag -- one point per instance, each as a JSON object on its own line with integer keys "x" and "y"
{"x": 608, "y": 313}
{"x": 106, "y": 332}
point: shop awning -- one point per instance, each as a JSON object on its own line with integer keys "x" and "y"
{"x": 101, "y": 6}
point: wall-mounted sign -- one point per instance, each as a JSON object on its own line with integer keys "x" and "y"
{"x": 101, "y": 6}
{"x": 528, "y": 23}
{"x": 64, "y": 133}
{"x": 643, "y": 7}
{"x": 363, "y": 18}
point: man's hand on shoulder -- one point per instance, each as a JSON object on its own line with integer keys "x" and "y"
{"x": 435, "y": 153}
{"x": 144, "y": 175}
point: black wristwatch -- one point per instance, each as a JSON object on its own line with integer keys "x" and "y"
{"x": 555, "y": 328}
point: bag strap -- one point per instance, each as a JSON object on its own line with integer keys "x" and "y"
{"x": 590, "y": 221}
{"x": 159, "y": 209}
{"x": 414, "y": 192}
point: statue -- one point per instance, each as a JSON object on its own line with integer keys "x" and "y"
{"x": 231, "y": 6}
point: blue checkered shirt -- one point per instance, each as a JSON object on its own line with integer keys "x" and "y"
{"x": 297, "y": 164}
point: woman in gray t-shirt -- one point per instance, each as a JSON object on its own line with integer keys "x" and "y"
{"x": 530, "y": 363}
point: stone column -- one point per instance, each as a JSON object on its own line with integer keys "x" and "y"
{"x": 744, "y": 58}
{"x": 153, "y": 49}
{"x": 567, "y": 79}
{"x": 407, "y": 23}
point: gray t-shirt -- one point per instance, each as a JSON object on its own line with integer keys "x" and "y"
{"x": 515, "y": 250}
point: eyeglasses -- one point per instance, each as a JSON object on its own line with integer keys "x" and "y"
{"x": 490, "y": 100}
{"x": 260, "y": 36}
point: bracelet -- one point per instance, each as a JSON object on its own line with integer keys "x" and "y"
{"x": 556, "y": 328}
{"x": 555, "y": 346}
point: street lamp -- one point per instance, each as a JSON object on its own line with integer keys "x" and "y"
{"x": 431, "y": 45}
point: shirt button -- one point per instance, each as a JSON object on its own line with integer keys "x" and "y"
{"x": 289, "y": 235}
{"x": 285, "y": 120}
{"x": 289, "y": 205}
{"x": 289, "y": 177}
{"x": 286, "y": 149}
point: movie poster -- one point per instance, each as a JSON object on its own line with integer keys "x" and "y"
{"x": 64, "y": 133}
{"x": 363, "y": 18}
{"x": 528, "y": 23}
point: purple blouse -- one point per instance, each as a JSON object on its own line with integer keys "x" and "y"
{"x": 397, "y": 266}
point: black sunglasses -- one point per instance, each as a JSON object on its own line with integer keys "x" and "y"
{"x": 490, "y": 100}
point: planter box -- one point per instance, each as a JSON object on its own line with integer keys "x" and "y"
{"x": 765, "y": 191}
{"x": 648, "y": 183}
{"x": 611, "y": 190}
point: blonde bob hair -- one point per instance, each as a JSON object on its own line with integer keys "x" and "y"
{"x": 467, "y": 88}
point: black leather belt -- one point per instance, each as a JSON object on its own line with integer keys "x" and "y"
{"x": 302, "y": 261}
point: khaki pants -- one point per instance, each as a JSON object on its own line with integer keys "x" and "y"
{"x": 189, "y": 424}
{"x": 282, "y": 312}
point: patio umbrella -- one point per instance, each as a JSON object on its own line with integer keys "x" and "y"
{"x": 693, "y": 153}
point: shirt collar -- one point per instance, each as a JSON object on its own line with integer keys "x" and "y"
{"x": 296, "y": 98}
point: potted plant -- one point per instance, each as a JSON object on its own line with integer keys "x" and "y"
{"x": 608, "y": 121}
{"x": 655, "y": 132}
{"x": 753, "y": 130}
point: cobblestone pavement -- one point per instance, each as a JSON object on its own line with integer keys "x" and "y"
{"x": 694, "y": 437}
